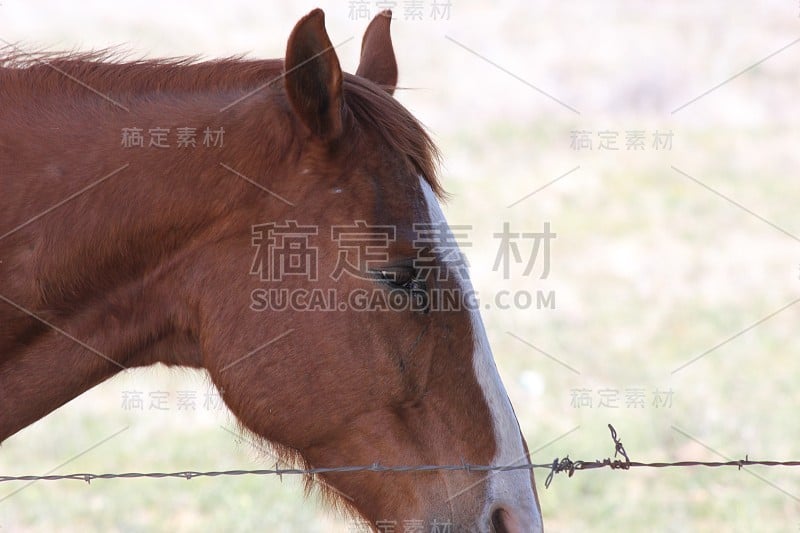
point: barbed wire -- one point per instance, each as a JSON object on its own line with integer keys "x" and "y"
{"x": 564, "y": 464}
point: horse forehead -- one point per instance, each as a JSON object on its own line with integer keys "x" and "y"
{"x": 405, "y": 209}
{"x": 433, "y": 224}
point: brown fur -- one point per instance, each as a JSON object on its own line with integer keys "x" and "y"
{"x": 152, "y": 264}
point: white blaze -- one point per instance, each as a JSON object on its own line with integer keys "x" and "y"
{"x": 512, "y": 489}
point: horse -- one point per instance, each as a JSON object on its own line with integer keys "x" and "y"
{"x": 123, "y": 247}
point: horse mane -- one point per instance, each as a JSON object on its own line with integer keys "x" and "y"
{"x": 114, "y": 72}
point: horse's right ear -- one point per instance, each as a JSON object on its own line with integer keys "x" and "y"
{"x": 313, "y": 77}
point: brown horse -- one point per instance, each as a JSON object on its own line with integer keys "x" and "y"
{"x": 123, "y": 244}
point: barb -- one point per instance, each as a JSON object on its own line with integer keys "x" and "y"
{"x": 619, "y": 449}
{"x": 558, "y": 465}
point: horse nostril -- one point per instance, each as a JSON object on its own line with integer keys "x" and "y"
{"x": 499, "y": 517}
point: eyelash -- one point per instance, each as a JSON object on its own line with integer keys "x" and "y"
{"x": 415, "y": 287}
{"x": 390, "y": 276}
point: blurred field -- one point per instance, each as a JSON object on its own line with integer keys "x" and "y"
{"x": 650, "y": 268}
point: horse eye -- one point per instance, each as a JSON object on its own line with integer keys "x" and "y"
{"x": 401, "y": 277}
{"x": 407, "y": 279}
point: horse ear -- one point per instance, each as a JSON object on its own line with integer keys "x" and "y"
{"x": 313, "y": 77}
{"x": 378, "y": 63}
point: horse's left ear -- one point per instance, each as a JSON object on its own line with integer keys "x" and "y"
{"x": 378, "y": 63}
{"x": 313, "y": 78}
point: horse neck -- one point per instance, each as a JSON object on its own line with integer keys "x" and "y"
{"x": 145, "y": 203}
{"x": 101, "y": 283}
